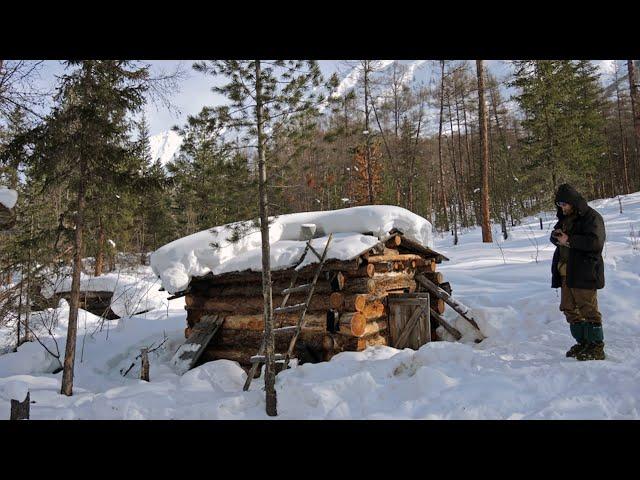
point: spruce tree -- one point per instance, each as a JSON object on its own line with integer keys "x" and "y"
{"x": 86, "y": 147}
{"x": 561, "y": 101}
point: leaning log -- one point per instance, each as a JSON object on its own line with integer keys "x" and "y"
{"x": 433, "y": 288}
{"x": 446, "y": 325}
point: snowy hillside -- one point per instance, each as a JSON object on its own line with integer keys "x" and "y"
{"x": 518, "y": 372}
{"x": 165, "y": 146}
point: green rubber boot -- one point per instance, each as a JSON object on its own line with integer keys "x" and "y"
{"x": 595, "y": 347}
{"x": 578, "y": 332}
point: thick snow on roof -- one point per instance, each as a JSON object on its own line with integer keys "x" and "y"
{"x": 8, "y": 197}
{"x": 355, "y": 230}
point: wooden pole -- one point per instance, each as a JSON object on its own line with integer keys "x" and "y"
{"x": 447, "y": 326}
{"x": 144, "y": 373}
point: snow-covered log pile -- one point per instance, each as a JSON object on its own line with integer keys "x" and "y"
{"x": 348, "y": 311}
{"x": 112, "y": 295}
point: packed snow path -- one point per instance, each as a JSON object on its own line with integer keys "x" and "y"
{"x": 518, "y": 372}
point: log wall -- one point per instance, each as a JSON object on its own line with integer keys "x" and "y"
{"x": 348, "y": 311}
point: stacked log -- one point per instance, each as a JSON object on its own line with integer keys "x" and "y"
{"x": 347, "y": 312}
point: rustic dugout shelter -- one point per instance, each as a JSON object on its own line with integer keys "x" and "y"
{"x": 363, "y": 301}
{"x": 385, "y": 290}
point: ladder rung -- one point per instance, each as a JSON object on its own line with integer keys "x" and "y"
{"x": 315, "y": 252}
{"x": 292, "y": 308}
{"x": 301, "y": 288}
{"x": 284, "y": 329}
{"x": 262, "y": 358}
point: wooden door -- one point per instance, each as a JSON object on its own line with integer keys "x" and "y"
{"x": 409, "y": 320}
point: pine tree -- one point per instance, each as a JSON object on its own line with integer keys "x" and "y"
{"x": 266, "y": 99}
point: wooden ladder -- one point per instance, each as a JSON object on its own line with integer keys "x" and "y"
{"x": 260, "y": 358}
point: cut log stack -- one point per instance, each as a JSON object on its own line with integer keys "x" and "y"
{"x": 348, "y": 311}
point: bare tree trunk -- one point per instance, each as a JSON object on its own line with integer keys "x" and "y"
{"x": 442, "y": 192}
{"x": 28, "y": 297}
{"x": 623, "y": 140}
{"x": 74, "y": 299}
{"x": 463, "y": 177}
{"x": 635, "y": 109}
{"x": 482, "y": 112}
{"x": 459, "y": 190}
{"x": 270, "y": 374}
{"x": 143, "y": 256}
{"x": 20, "y": 306}
{"x": 413, "y": 160}
{"x": 100, "y": 254}
{"x": 612, "y": 173}
{"x": 366, "y": 66}
{"x": 470, "y": 167}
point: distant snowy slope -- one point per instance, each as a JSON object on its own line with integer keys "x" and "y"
{"x": 8, "y": 197}
{"x": 165, "y": 146}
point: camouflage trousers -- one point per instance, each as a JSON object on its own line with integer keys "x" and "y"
{"x": 579, "y": 304}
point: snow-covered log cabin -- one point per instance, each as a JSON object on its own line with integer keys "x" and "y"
{"x": 366, "y": 293}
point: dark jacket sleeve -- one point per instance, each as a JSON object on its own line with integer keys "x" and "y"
{"x": 553, "y": 239}
{"x": 593, "y": 238}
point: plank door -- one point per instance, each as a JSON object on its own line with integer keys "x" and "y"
{"x": 409, "y": 320}
{"x": 190, "y": 351}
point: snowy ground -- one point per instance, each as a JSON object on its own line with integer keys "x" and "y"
{"x": 518, "y": 372}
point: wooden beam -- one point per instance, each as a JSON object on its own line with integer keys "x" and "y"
{"x": 440, "y": 293}
{"x": 446, "y": 325}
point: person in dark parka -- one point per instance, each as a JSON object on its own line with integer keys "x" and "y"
{"x": 578, "y": 269}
